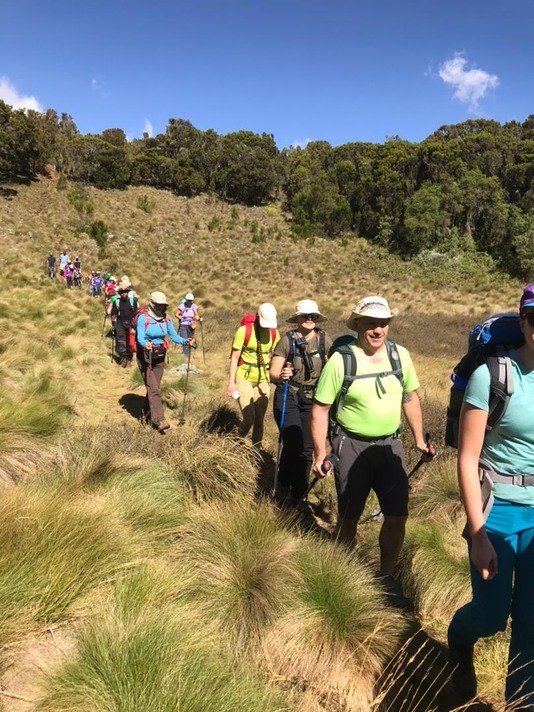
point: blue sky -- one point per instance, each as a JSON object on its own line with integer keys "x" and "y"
{"x": 345, "y": 70}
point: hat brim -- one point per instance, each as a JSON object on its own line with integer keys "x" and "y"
{"x": 295, "y": 317}
{"x": 268, "y": 323}
{"x": 354, "y": 317}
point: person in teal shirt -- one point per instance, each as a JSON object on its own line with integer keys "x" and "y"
{"x": 501, "y": 549}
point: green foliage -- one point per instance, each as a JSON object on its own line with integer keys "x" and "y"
{"x": 146, "y": 204}
{"x": 98, "y": 230}
{"x": 214, "y": 223}
{"x": 81, "y": 201}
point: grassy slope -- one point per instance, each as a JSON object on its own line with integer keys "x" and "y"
{"x": 173, "y": 249}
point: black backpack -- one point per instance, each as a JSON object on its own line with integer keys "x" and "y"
{"x": 343, "y": 345}
{"x": 489, "y": 342}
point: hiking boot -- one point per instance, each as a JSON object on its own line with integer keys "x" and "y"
{"x": 124, "y": 363}
{"x": 394, "y": 593}
{"x": 162, "y": 426}
{"x": 463, "y": 677}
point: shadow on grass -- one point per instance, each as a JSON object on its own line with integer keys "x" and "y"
{"x": 132, "y": 403}
{"x": 7, "y": 193}
{"x": 419, "y": 677}
{"x": 222, "y": 421}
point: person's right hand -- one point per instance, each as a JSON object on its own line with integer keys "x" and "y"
{"x": 149, "y": 346}
{"x": 484, "y": 556}
{"x": 287, "y": 372}
{"x": 318, "y": 467}
{"x": 231, "y": 389}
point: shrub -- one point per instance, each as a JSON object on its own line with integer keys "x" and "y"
{"x": 146, "y": 204}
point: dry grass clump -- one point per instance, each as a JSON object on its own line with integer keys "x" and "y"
{"x": 435, "y": 568}
{"x": 242, "y": 566}
{"x": 337, "y": 634}
{"x": 53, "y": 550}
{"x": 436, "y": 491}
{"x": 145, "y": 652}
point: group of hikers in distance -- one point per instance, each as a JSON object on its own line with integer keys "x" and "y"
{"x": 338, "y": 406}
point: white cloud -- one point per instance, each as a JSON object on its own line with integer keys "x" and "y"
{"x": 94, "y": 84}
{"x": 301, "y": 143}
{"x": 470, "y": 85}
{"x": 148, "y": 129}
{"x": 10, "y": 95}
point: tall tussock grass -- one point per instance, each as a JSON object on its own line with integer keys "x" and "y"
{"x": 53, "y": 550}
{"x": 435, "y": 568}
{"x": 144, "y": 653}
{"x": 436, "y": 490}
{"x": 242, "y": 565}
{"x": 338, "y": 633}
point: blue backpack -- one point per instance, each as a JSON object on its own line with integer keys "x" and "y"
{"x": 488, "y": 342}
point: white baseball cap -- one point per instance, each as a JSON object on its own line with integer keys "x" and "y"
{"x": 373, "y": 306}
{"x": 267, "y": 315}
{"x": 189, "y": 296}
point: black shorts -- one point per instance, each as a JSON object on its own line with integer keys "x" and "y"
{"x": 363, "y": 466}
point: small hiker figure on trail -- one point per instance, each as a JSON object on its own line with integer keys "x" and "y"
{"x": 496, "y": 469}
{"x": 51, "y": 265}
{"x": 250, "y": 359}
{"x": 154, "y": 329}
{"x": 110, "y": 290}
{"x": 63, "y": 260}
{"x": 96, "y": 284}
{"x": 123, "y": 308}
{"x": 67, "y": 275}
{"x": 297, "y": 361}
{"x": 188, "y": 316}
{"x": 368, "y": 453}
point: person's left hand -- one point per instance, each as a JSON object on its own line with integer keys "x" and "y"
{"x": 192, "y": 342}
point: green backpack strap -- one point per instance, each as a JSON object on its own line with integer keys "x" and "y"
{"x": 394, "y": 359}
{"x": 349, "y": 375}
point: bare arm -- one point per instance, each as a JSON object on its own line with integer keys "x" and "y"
{"x": 319, "y": 430}
{"x": 411, "y": 406}
{"x": 280, "y": 369}
{"x": 472, "y": 430}
{"x": 234, "y": 359}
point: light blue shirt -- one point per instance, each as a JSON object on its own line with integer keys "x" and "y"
{"x": 509, "y": 447}
{"x": 156, "y": 331}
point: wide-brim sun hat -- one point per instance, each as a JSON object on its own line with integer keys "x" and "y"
{"x": 372, "y": 306}
{"x": 123, "y": 287}
{"x": 306, "y": 306}
{"x": 158, "y": 298}
{"x": 189, "y": 296}
{"x": 527, "y": 298}
{"x": 267, "y": 315}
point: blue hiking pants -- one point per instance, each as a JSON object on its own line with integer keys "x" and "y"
{"x": 510, "y": 528}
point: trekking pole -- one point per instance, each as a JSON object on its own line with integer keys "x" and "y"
{"x": 112, "y": 344}
{"x": 281, "y": 427}
{"x": 327, "y": 465}
{"x": 181, "y": 421}
{"x": 425, "y": 457}
{"x": 203, "y": 349}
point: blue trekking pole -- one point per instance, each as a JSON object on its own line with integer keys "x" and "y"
{"x": 281, "y": 426}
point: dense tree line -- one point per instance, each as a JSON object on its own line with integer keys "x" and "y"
{"x": 467, "y": 186}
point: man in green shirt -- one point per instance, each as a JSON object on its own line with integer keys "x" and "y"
{"x": 368, "y": 453}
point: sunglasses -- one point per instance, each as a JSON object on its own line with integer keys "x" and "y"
{"x": 529, "y": 316}
{"x": 309, "y": 317}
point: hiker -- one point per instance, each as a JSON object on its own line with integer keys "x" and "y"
{"x": 96, "y": 285}
{"x": 67, "y": 275}
{"x": 250, "y": 358}
{"x": 188, "y": 315}
{"x": 123, "y": 308}
{"x": 501, "y": 549}
{"x": 153, "y": 331}
{"x": 77, "y": 265}
{"x": 51, "y": 265}
{"x": 63, "y": 260}
{"x": 366, "y": 448}
{"x": 298, "y": 359}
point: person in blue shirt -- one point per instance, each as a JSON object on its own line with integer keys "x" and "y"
{"x": 501, "y": 547}
{"x": 153, "y": 332}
